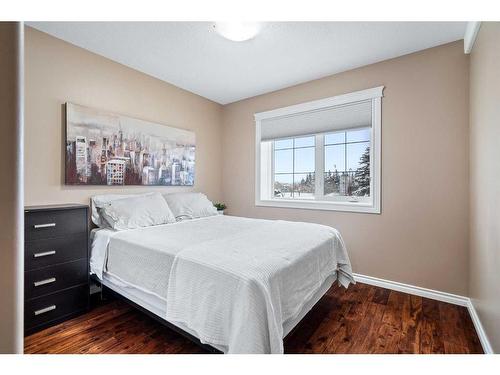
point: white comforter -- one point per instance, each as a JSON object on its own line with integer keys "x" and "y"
{"x": 236, "y": 281}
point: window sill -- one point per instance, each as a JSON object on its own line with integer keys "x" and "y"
{"x": 320, "y": 205}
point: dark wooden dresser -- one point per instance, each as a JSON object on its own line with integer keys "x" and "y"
{"x": 56, "y": 264}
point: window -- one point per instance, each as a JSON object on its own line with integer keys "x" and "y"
{"x": 347, "y": 165}
{"x": 294, "y": 168}
{"x": 321, "y": 155}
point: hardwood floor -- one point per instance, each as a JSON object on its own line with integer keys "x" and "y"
{"x": 361, "y": 319}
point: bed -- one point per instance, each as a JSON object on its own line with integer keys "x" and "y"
{"x": 237, "y": 284}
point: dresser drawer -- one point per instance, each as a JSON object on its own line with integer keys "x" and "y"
{"x": 50, "y": 224}
{"x": 51, "y": 279}
{"x": 48, "y": 308}
{"x": 43, "y": 253}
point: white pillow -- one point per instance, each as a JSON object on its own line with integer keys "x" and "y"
{"x": 99, "y": 201}
{"x": 190, "y": 205}
{"x": 137, "y": 212}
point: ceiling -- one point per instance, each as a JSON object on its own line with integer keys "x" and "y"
{"x": 192, "y": 56}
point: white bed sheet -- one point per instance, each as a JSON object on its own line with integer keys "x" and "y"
{"x": 237, "y": 284}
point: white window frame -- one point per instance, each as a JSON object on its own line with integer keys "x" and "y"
{"x": 375, "y": 95}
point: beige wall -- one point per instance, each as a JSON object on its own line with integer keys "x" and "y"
{"x": 11, "y": 198}
{"x": 484, "y": 271}
{"x": 57, "y": 72}
{"x": 421, "y": 237}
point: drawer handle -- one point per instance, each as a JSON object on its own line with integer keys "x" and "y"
{"x": 44, "y": 282}
{"x": 48, "y": 225}
{"x": 45, "y": 310}
{"x": 44, "y": 254}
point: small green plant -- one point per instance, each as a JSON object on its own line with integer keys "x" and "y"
{"x": 220, "y": 206}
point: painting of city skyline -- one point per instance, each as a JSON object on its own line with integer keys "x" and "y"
{"x": 103, "y": 148}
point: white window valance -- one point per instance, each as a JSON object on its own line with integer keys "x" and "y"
{"x": 340, "y": 117}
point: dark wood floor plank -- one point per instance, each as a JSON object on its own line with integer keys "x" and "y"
{"x": 387, "y": 339}
{"x": 411, "y": 325}
{"x": 390, "y": 330}
{"x": 454, "y": 348}
{"x": 365, "y": 337}
{"x": 358, "y": 298}
{"x": 340, "y": 335}
{"x": 431, "y": 340}
{"x": 334, "y": 326}
{"x": 381, "y": 296}
{"x": 454, "y": 332}
{"x": 361, "y": 319}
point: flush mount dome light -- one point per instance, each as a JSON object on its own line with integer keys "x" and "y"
{"x": 237, "y": 31}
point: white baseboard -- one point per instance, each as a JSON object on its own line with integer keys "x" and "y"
{"x": 436, "y": 295}
{"x": 415, "y": 290}
{"x": 485, "y": 343}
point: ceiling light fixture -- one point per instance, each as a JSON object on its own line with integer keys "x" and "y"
{"x": 237, "y": 31}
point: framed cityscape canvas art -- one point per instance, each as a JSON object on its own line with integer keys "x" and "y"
{"x": 104, "y": 148}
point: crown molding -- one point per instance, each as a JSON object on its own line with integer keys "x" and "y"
{"x": 470, "y": 35}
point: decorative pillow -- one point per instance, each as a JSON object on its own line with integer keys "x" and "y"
{"x": 136, "y": 212}
{"x": 190, "y": 205}
{"x": 102, "y": 200}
